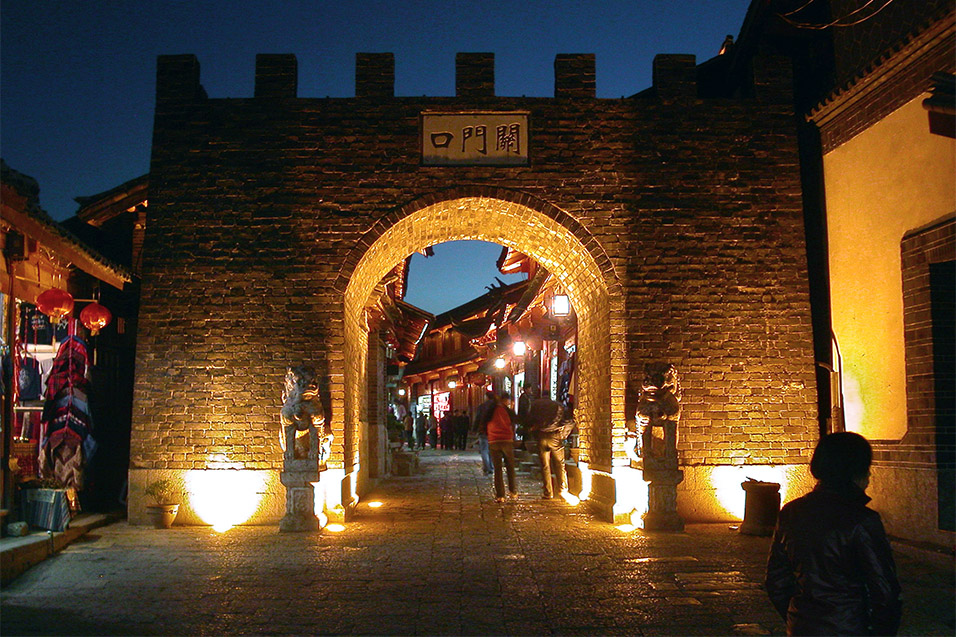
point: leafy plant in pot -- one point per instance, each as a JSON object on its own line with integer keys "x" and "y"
{"x": 165, "y": 503}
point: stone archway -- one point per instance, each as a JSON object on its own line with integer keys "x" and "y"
{"x": 540, "y": 230}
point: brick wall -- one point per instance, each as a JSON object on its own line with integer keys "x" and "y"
{"x": 920, "y": 249}
{"x": 688, "y": 213}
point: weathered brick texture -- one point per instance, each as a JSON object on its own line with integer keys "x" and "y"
{"x": 682, "y": 219}
{"x": 475, "y": 74}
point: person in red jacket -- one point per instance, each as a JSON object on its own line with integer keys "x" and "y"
{"x": 831, "y": 570}
{"x": 501, "y": 437}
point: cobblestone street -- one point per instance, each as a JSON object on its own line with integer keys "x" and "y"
{"x": 438, "y": 557}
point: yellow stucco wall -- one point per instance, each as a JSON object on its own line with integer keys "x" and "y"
{"x": 891, "y": 178}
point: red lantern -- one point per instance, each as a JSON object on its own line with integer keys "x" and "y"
{"x": 95, "y": 317}
{"x": 55, "y": 303}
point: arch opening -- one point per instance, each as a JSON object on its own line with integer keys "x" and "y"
{"x": 593, "y": 292}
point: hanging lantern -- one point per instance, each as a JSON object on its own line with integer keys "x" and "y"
{"x": 55, "y": 303}
{"x": 560, "y": 305}
{"x": 95, "y": 317}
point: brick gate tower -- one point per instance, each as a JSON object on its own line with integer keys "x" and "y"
{"x": 672, "y": 217}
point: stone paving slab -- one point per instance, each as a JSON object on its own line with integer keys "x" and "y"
{"x": 440, "y": 557}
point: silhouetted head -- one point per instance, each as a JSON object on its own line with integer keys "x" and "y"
{"x": 841, "y": 459}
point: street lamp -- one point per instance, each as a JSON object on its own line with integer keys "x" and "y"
{"x": 519, "y": 348}
{"x": 499, "y": 363}
{"x": 560, "y": 305}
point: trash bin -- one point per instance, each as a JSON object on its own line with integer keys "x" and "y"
{"x": 762, "y": 504}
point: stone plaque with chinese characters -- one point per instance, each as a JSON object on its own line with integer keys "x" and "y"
{"x": 492, "y": 138}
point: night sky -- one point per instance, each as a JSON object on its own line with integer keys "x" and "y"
{"x": 77, "y": 78}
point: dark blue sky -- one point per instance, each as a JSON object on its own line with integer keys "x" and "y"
{"x": 77, "y": 77}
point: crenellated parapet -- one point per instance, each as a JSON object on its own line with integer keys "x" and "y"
{"x": 675, "y": 77}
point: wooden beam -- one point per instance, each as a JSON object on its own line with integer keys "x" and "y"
{"x": 62, "y": 246}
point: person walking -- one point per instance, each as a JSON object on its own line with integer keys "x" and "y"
{"x": 461, "y": 430}
{"x": 544, "y": 419}
{"x": 433, "y": 431}
{"x": 480, "y": 427}
{"x": 446, "y": 430}
{"x": 420, "y": 430}
{"x": 501, "y": 437}
{"x": 522, "y": 406}
{"x": 831, "y": 569}
{"x": 408, "y": 426}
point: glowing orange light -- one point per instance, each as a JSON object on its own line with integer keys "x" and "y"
{"x": 224, "y": 498}
{"x": 375, "y": 504}
{"x": 95, "y": 317}
{"x": 55, "y": 303}
{"x": 570, "y": 498}
{"x": 335, "y": 527}
{"x": 726, "y": 480}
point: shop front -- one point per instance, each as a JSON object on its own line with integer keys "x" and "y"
{"x": 50, "y": 291}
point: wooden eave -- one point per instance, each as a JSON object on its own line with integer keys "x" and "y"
{"x": 98, "y": 209}
{"x": 64, "y": 246}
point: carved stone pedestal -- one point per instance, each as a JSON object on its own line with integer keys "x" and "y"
{"x": 662, "y": 500}
{"x": 299, "y": 495}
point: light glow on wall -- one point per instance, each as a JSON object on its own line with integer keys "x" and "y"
{"x": 726, "y": 481}
{"x": 224, "y": 498}
{"x": 853, "y": 408}
{"x": 570, "y": 498}
{"x": 585, "y": 482}
{"x": 631, "y": 497}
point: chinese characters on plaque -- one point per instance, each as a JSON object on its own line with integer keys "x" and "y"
{"x": 475, "y": 138}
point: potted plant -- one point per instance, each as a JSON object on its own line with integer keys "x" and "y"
{"x": 165, "y": 503}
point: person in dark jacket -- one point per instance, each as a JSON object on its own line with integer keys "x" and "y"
{"x": 831, "y": 570}
{"x": 542, "y": 419}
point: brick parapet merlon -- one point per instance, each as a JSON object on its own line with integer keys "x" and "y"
{"x": 374, "y": 75}
{"x": 475, "y": 75}
{"x": 177, "y": 79}
{"x": 574, "y": 75}
{"x": 675, "y": 76}
{"x": 277, "y": 75}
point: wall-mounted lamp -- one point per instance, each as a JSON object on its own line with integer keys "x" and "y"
{"x": 452, "y": 383}
{"x": 519, "y": 348}
{"x": 499, "y": 363}
{"x": 401, "y": 392}
{"x": 560, "y": 305}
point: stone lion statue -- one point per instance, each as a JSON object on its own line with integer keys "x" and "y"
{"x": 302, "y": 416}
{"x": 658, "y": 412}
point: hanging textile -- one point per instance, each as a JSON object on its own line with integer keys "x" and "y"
{"x": 66, "y": 441}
